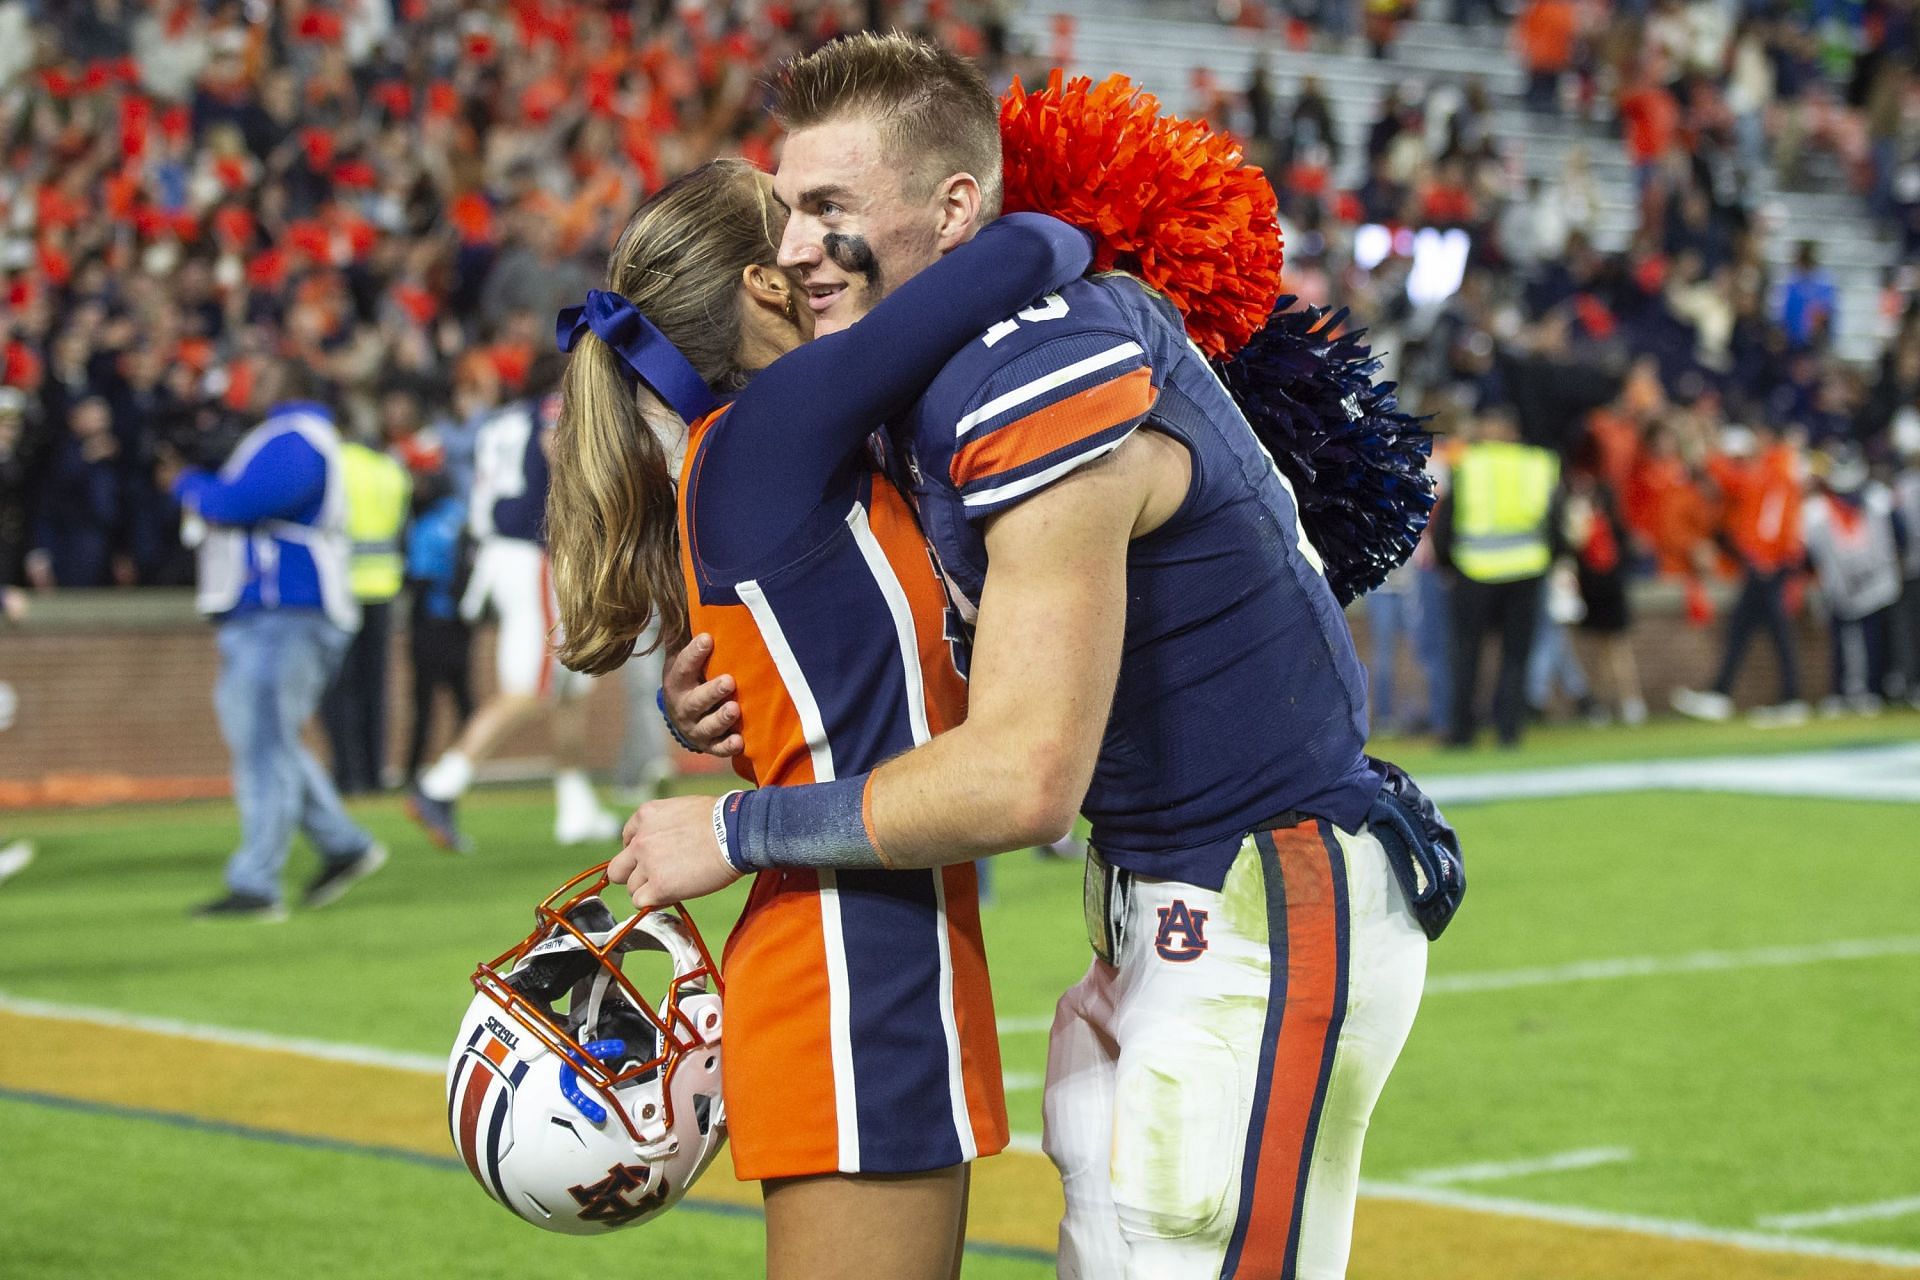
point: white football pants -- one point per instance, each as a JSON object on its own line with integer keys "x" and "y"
{"x": 1207, "y": 1095}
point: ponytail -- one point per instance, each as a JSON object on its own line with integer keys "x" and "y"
{"x": 613, "y": 529}
{"x": 612, "y": 523}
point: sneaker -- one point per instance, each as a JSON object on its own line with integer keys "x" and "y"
{"x": 336, "y": 877}
{"x": 1832, "y": 707}
{"x": 1783, "y": 715}
{"x": 1702, "y": 704}
{"x": 1633, "y": 711}
{"x": 594, "y": 826}
{"x": 436, "y": 819}
{"x": 14, "y": 858}
{"x": 1866, "y": 704}
{"x": 241, "y": 906}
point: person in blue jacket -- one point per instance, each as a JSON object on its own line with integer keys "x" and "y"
{"x": 270, "y": 533}
{"x": 438, "y": 638}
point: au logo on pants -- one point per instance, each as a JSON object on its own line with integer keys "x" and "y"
{"x": 1183, "y": 932}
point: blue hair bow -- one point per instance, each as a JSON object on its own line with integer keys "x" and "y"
{"x": 646, "y": 352}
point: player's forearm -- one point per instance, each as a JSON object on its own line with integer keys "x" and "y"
{"x": 971, "y": 793}
{"x": 967, "y": 794}
{"x": 1045, "y": 661}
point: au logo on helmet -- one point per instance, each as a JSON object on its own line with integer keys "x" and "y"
{"x": 578, "y": 1100}
{"x": 608, "y": 1200}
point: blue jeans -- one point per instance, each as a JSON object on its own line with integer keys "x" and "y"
{"x": 1391, "y": 617}
{"x": 1433, "y": 642}
{"x": 274, "y": 665}
{"x": 1553, "y": 662}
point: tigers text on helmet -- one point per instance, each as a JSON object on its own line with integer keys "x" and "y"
{"x": 576, "y": 1101}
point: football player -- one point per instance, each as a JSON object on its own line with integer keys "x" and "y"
{"x": 511, "y": 577}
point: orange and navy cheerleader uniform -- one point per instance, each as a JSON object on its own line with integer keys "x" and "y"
{"x": 860, "y": 1029}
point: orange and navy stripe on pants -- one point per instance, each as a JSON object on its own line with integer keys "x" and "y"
{"x": 1307, "y": 912}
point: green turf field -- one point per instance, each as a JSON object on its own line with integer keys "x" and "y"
{"x": 1754, "y": 1067}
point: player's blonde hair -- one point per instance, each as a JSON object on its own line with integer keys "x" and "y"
{"x": 935, "y": 113}
{"x": 612, "y": 526}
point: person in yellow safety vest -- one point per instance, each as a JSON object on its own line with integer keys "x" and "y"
{"x": 1496, "y": 531}
{"x": 379, "y": 492}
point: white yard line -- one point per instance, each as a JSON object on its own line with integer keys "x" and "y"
{"x": 1689, "y": 962}
{"x": 1889, "y": 773}
{"x": 327, "y": 1050}
{"x": 1023, "y": 1081}
{"x": 1840, "y": 1215}
{"x": 1494, "y": 1170}
{"x": 1664, "y": 1228}
{"x": 1026, "y": 1026}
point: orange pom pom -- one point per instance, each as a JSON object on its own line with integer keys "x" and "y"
{"x": 1166, "y": 199}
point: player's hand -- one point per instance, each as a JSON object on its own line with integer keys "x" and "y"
{"x": 670, "y": 853}
{"x": 703, "y": 710}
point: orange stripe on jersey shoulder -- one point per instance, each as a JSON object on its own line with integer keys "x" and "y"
{"x": 1060, "y": 424}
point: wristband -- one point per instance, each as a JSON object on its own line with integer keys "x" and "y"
{"x": 660, "y": 700}
{"x": 822, "y": 825}
{"x": 723, "y": 835}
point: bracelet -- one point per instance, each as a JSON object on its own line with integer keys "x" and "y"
{"x": 660, "y": 700}
{"x": 725, "y": 808}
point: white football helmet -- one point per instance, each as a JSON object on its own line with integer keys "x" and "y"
{"x": 576, "y": 1101}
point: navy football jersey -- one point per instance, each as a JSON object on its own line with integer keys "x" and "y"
{"x": 1240, "y": 698}
{"x": 510, "y": 475}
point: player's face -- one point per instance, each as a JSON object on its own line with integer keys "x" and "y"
{"x": 853, "y": 232}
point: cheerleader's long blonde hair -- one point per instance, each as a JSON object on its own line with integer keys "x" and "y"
{"x": 612, "y": 528}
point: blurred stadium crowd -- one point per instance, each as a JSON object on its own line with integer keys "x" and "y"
{"x": 1708, "y": 427}
{"x": 399, "y": 194}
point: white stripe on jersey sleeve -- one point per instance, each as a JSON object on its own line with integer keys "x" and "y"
{"x": 1045, "y": 383}
{"x": 1040, "y": 479}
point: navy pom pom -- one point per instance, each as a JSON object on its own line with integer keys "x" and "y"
{"x": 1356, "y": 462}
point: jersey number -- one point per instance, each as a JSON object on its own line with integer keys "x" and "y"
{"x": 1051, "y": 307}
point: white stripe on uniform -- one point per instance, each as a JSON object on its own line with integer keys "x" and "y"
{"x": 792, "y": 677}
{"x": 902, "y": 611}
{"x": 909, "y": 642}
{"x": 846, "y": 1102}
{"x": 1040, "y": 479}
{"x": 839, "y": 1029}
{"x": 1045, "y": 383}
